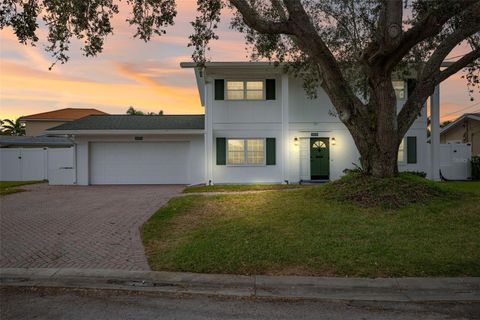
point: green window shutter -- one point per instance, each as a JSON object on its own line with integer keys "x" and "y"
{"x": 270, "y": 89}
{"x": 411, "y": 84}
{"x": 221, "y": 151}
{"x": 219, "y": 89}
{"x": 271, "y": 152}
{"x": 411, "y": 149}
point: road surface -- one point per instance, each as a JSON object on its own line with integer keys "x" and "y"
{"x": 51, "y": 304}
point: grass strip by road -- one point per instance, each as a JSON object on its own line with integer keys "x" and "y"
{"x": 305, "y": 232}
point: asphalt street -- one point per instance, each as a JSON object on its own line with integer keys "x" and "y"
{"x": 45, "y": 303}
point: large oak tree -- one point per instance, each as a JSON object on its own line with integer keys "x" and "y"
{"x": 352, "y": 49}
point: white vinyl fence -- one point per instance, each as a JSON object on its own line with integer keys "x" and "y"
{"x": 23, "y": 164}
{"x": 455, "y": 161}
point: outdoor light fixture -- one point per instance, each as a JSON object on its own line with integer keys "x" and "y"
{"x": 295, "y": 140}
{"x": 334, "y": 142}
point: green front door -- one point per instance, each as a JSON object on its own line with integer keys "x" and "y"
{"x": 319, "y": 158}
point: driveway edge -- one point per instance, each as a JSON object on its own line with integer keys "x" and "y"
{"x": 271, "y": 287}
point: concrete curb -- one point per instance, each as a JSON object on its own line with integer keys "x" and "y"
{"x": 272, "y": 287}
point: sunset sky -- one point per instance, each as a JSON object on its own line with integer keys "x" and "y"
{"x": 130, "y": 72}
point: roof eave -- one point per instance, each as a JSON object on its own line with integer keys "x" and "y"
{"x": 250, "y": 64}
{"x": 129, "y": 132}
{"x": 458, "y": 121}
{"x": 50, "y": 120}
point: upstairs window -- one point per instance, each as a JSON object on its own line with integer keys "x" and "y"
{"x": 245, "y": 90}
{"x": 399, "y": 87}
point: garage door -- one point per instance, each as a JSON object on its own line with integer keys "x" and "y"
{"x": 139, "y": 163}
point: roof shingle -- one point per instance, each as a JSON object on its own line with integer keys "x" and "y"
{"x": 128, "y": 122}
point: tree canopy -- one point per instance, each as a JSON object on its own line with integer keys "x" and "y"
{"x": 352, "y": 49}
{"x": 135, "y": 112}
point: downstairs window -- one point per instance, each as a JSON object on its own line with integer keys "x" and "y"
{"x": 246, "y": 152}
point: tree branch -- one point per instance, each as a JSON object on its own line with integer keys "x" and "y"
{"x": 459, "y": 65}
{"x": 310, "y": 42}
{"x": 390, "y": 23}
{"x": 258, "y": 23}
{"x": 431, "y": 24}
{"x": 432, "y": 75}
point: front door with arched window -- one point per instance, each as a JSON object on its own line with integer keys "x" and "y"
{"x": 319, "y": 158}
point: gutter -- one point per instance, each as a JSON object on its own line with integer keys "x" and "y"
{"x": 128, "y": 132}
{"x": 406, "y": 289}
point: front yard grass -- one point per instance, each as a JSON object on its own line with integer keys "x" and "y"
{"x": 302, "y": 233}
{"x": 8, "y": 187}
{"x": 240, "y": 187}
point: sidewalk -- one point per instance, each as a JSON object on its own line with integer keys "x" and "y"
{"x": 272, "y": 287}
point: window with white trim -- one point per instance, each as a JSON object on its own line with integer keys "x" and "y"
{"x": 245, "y": 151}
{"x": 401, "y": 152}
{"x": 245, "y": 90}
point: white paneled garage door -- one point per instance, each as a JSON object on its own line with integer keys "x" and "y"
{"x": 139, "y": 162}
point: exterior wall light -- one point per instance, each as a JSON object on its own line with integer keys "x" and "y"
{"x": 295, "y": 141}
{"x": 334, "y": 142}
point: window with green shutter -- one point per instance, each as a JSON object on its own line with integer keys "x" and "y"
{"x": 219, "y": 89}
{"x": 270, "y": 89}
{"x": 411, "y": 149}
{"x": 411, "y": 84}
{"x": 271, "y": 152}
{"x": 221, "y": 146}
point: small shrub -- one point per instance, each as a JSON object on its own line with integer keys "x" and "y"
{"x": 356, "y": 169}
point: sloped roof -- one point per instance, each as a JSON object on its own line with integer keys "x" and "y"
{"x": 41, "y": 141}
{"x": 473, "y": 116}
{"x": 128, "y": 122}
{"x": 67, "y": 114}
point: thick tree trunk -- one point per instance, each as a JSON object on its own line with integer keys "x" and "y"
{"x": 376, "y": 134}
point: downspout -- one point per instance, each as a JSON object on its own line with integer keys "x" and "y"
{"x": 75, "y": 174}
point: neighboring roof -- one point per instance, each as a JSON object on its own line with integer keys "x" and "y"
{"x": 132, "y": 123}
{"x": 41, "y": 141}
{"x": 473, "y": 116}
{"x": 67, "y": 114}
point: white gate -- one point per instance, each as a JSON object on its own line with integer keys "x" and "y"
{"x": 26, "y": 164}
{"x": 455, "y": 161}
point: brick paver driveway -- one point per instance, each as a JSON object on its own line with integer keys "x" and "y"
{"x": 77, "y": 226}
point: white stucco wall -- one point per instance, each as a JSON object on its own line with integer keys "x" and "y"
{"x": 262, "y": 119}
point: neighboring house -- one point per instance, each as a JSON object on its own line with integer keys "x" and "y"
{"x": 36, "y": 124}
{"x": 465, "y": 129}
{"x": 259, "y": 127}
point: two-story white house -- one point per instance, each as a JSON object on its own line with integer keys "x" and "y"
{"x": 259, "y": 127}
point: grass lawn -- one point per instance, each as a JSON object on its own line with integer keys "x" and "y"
{"x": 241, "y": 187}
{"x": 8, "y": 187}
{"x": 302, "y": 233}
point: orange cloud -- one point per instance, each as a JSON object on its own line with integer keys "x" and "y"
{"x": 145, "y": 94}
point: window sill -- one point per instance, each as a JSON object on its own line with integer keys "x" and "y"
{"x": 246, "y": 165}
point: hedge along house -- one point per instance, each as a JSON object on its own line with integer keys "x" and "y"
{"x": 262, "y": 128}
{"x": 259, "y": 127}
